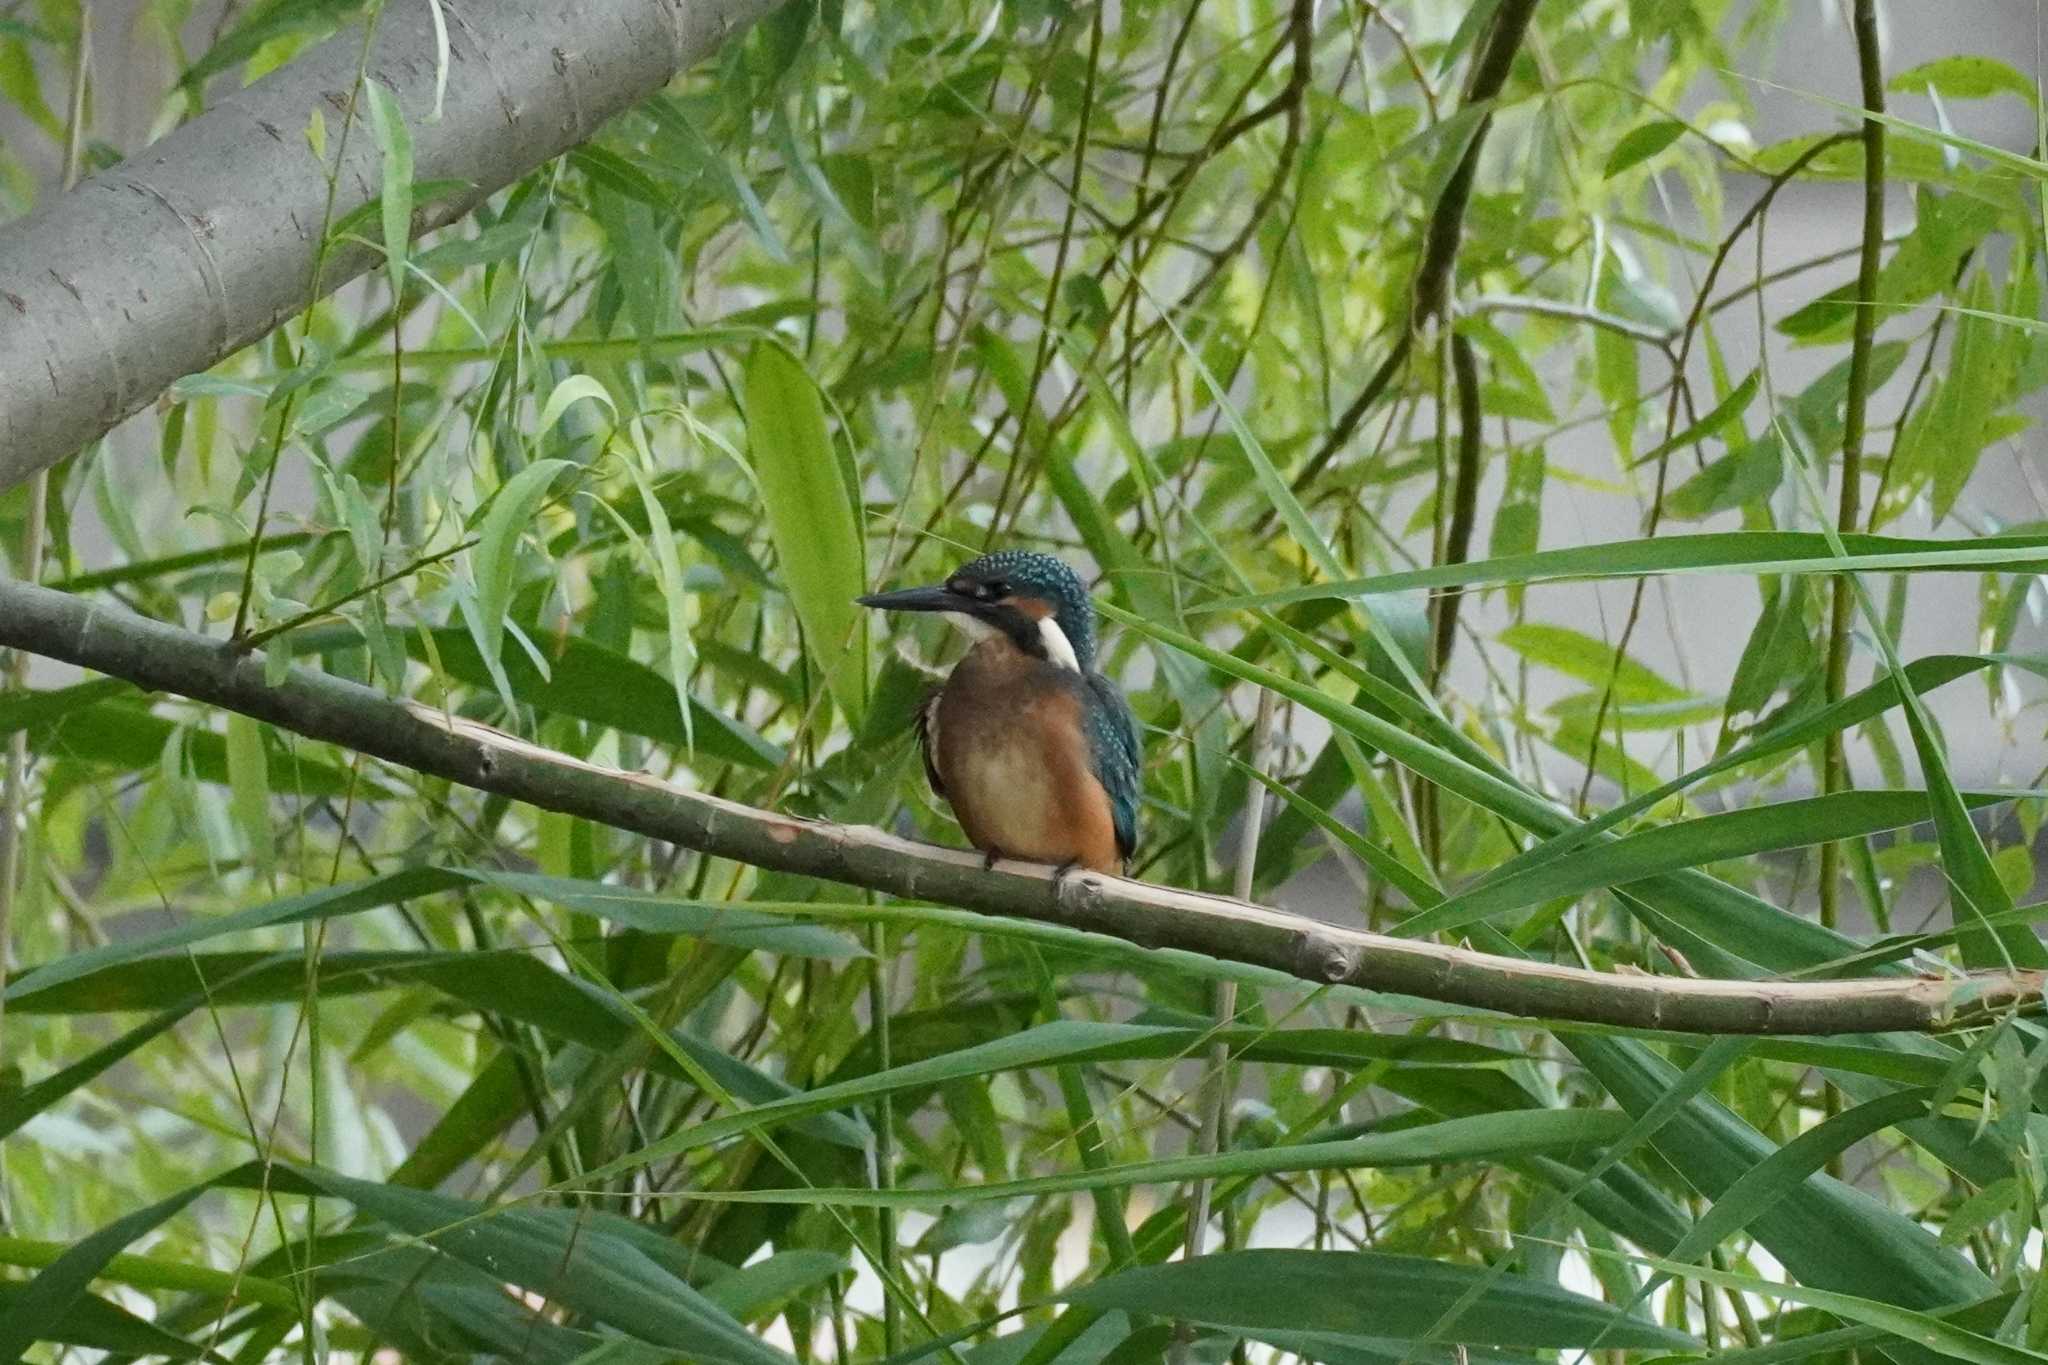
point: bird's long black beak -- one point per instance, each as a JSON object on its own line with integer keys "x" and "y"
{"x": 934, "y": 598}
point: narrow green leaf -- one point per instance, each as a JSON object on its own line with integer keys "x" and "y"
{"x": 591, "y": 1269}
{"x": 1965, "y": 77}
{"x": 1691, "y": 843}
{"x": 48, "y": 1298}
{"x": 591, "y": 683}
{"x": 1490, "y": 1138}
{"x": 1741, "y": 553}
{"x": 675, "y": 601}
{"x": 1641, "y": 143}
{"x": 1921, "y": 1329}
{"x": 394, "y": 141}
{"x": 813, "y": 517}
{"x": 249, "y": 790}
{"x": 1370, "y": 1294}
{"x": 1591, "y": 661}
{"x": 495, "y": 560}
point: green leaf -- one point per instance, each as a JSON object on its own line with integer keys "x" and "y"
{"x": 763, "y": 1285}
{"x": 57, "y": 1289}
{"x": 737, "y": 925}
{"x": 590, "y": 1269}
{"x": 1965, "y": 77}
{"x": 1944, "y": 438}
{"x": 1640, "y": 144}
{"x": 32, "y": 710}
{"x": 495, "y": 560}
{"x": 1589, "y": 660}
{"x": 590, "y": 683}
{"x": 1686, "y": 902}
{"x": 1824, "y": 1232}
{"x": 1485, "y": 1138}
{"x": 249, "y": 787}
{"x": 813, "y": 518}
{"x": 575, "y": 389}
{"x": 346, "y": 899}
{"x": 1741, "y": 476}
{"x": 1369, "y": 1294}
{"x": 1045, "y": 1045}
{"x": 394, "y": 141}
{"x": 1724, "y": 413}
{"x": 1720, "y": 552}
{"x": 1920, "y": 1329}
{"x": 668, "y": 567}
{"x": 1691, "y": 843}
{"x": 107, "y": 722}
{"x": 101, "y": 1326}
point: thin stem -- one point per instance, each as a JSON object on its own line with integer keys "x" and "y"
{"x": 885, "y": 1136}
{"x": 1834, "y": 765}
{"x": 1216, "y": 1111}
{"x": 1054, "y": 281}
{"x": 1465, "y": 498}
{"x": 1700, "y": 307}
{"x": 1441, "y": 234}
{"x": 296, "y": 356}
{"x": 1834, "y": 762}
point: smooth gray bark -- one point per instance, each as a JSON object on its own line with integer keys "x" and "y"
{"x": 166, "y": 658}
{"x": 206, "y": 241}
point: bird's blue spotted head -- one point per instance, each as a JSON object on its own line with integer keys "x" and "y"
{"x": 1033, "y": 598}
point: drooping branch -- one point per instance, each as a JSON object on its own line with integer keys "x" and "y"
{"x": 205, "y": 242}
{"x": 166, "y": 658}
{"x": 1442, "y": 232}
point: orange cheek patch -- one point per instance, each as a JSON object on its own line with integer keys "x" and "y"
{"x": 1033, "y": 608}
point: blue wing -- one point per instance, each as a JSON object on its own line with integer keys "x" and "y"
{"x": 1113, "y": 744}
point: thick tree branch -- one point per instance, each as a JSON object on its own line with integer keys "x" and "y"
{"x": 166, "y": 658}
{"x": 205, "y": 242}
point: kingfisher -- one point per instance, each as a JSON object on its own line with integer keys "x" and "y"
{"x": 1036, "y": 752}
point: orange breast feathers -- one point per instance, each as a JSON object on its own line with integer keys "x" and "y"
{"x": 1014, "y": 758}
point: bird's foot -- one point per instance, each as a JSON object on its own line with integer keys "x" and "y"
{"x": 988, "y": 858}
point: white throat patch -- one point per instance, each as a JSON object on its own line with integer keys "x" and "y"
{"x": 1058, "y": 648}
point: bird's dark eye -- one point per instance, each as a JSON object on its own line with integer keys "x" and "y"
{"x": 992, "y": 591}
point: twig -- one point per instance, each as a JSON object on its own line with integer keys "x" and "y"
{"x": 164, "y": 658}
{"x": 1700, "y": 307}
{"x": 1056, "y": 278}
{"x": 1465, "y": 499}
{"x": 1216, "y": 1108}
{"x": 1570, "y": 312}
{"x": 1842, "y": 605}
{"x": 885, "y": 1133}
{"x": 1834, "y": 766}
{"x": 1440, "y": 236}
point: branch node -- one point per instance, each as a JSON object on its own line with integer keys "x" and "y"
{"x": 1326, "y": 959}
{"x": 1077, "y": 895}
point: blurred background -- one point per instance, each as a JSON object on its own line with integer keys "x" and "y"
{"x": 1693, "y": 628}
